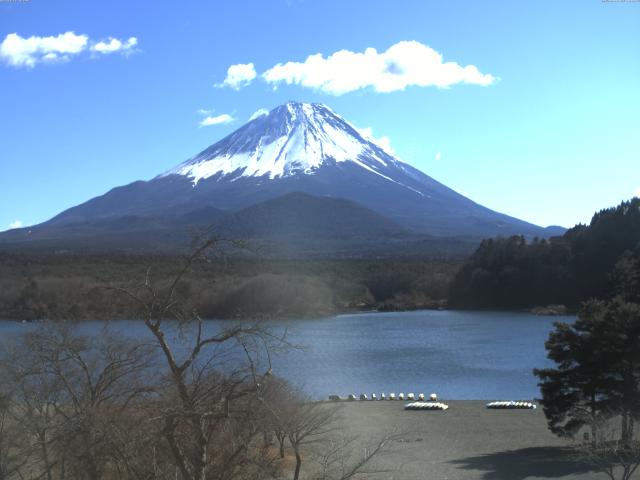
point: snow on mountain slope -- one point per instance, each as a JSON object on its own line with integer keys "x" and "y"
{"x": 300, "y": 147}
{"x": 292, "y": 139}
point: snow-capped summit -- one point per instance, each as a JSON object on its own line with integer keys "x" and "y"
{"x": 294, "y": 138}
{"x": 295, "y": 148}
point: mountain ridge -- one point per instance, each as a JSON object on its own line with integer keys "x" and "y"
{"x": 294, "y": 226}
{"x": 296, "y": 147}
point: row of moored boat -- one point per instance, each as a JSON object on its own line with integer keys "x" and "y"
{"x": 510, "y": 404}
{"x": 420, "y": 403}
{"x": 392, "y": 396}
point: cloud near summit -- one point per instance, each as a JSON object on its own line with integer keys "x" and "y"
{"x": 239, "y": 75}
{"x": 16, "y": 224}
{"x": 217, "y": 120}
{"x": 404, "y": 64}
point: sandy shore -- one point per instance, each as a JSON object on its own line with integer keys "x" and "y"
{"x": 465, "y": 442}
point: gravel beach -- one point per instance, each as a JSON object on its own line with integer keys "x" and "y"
{"x": 466, "y": 442}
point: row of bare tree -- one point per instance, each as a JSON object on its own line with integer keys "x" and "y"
{"x": 190, "y": 401}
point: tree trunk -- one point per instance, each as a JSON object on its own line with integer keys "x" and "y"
{"x": 625, "y": 428}
{"x": 201, "y": 445}
{"x": 296, "y": 473}
{"x": 45, "y": 454}
{"x": 93, "y": 470}
{"x": 281, "y": 437}
{"x": 594, "y": 428}
{"x": 63, "y": 475}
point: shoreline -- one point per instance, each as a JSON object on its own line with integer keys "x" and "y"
{"x": 320, "y": 315}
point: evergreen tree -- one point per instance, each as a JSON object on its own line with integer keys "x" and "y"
{"x": 516, "y": 273}
{"x": 626, "y": 276}
{"x": 598, "y": 369}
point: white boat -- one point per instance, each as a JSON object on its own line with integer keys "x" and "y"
{"x": 426, "y": 406}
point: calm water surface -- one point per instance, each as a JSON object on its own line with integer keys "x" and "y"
{"x": 459, "y": 355}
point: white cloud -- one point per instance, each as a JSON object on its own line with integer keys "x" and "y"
{"x": 239, "y": 75}
{"x": 462, "y": 192}
{"x": 383, "y": 142}
{"x": 407, "y": 63}
{"x": 209, "y": 119}
{"x": 438, "y": 156}
{"x": 259, "y": 113}
{"x": 54, "y": 57}
{"x": 217, "y": 120}
{"x": 16, "y": 224}
{"x": 113, "y": 45}
{"x": 17, "y": 51}
{"x": 366, "y": 132}
{"x": 637, "y": 192}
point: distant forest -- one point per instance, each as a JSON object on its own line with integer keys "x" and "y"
{"x": 503, "y": 273}
{"x": 584, "y": 263}
{"x": 83, "y": 286}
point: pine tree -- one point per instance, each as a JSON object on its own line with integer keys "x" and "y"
{"x": 598, "y": 369}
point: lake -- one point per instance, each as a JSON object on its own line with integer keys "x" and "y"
{"x": 457, "y": 354}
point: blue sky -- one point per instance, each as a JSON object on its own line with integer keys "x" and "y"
{"x": 546, "y": 128}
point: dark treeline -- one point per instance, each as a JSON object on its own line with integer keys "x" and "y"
{"x": 73, "y": 286}
{"x": 582, "y": 264}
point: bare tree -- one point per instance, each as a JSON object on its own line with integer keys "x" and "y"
{"x": 291, "y": 416}
{"x": 203, "y": 419}
{"x": 193, "y": 403}
{"x": 339, "y": 460}
{"x": 71, "y": 393}
{"x": 33, "y": 405}
{"x": 274, "y": 397}
{"x": 608, "y": 452}
{"x": 13, "y": 443}
{"x": 313, "y": 430}
{"x": 308, "y": 423}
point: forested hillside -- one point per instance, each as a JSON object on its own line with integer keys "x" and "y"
{"x": 81, "y": 286}
{"x": 583, "y": 263}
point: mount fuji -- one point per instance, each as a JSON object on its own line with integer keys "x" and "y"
{"x": 299, "y": 171}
